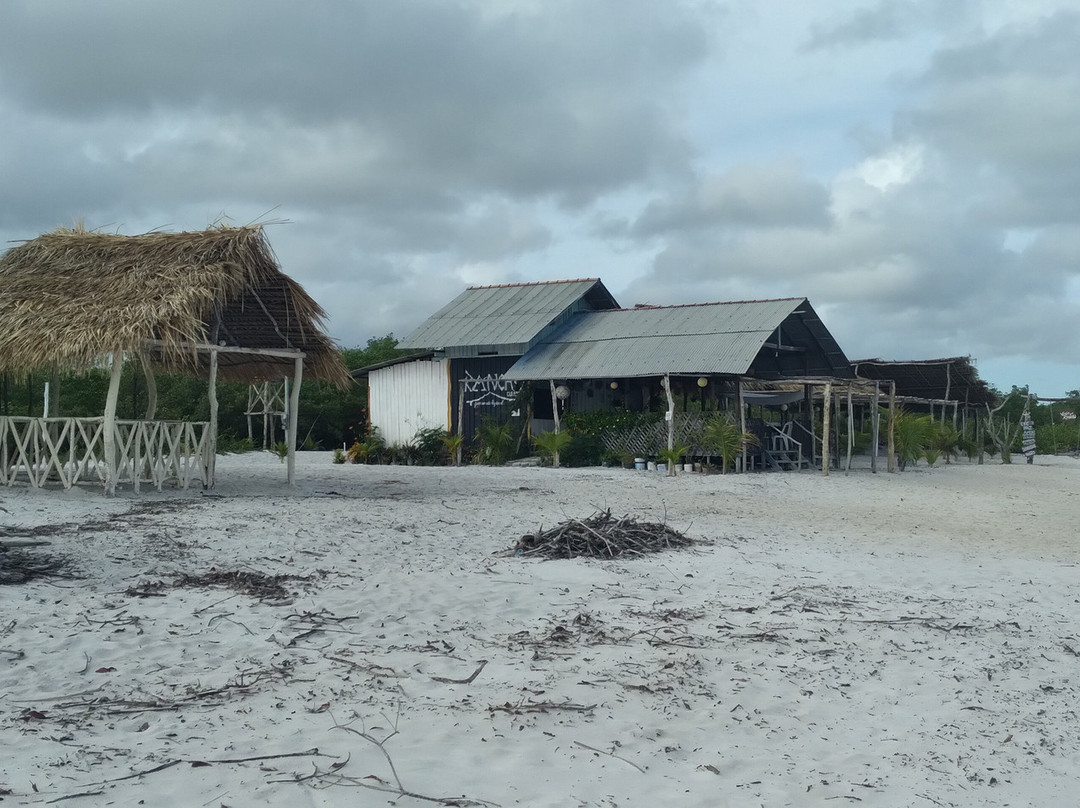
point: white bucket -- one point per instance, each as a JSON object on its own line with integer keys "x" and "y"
{"x": 652, "y": 465}
{"x": 662, "y": 468}
{"x": 639, "y": 463}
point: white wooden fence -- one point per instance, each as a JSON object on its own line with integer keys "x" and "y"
{"x": 72, "y": 450}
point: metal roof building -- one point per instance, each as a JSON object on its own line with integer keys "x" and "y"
{"x": 767, "y": 339}
{"x": 508, "y": 319}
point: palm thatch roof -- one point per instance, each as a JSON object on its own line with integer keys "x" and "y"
{"x": 949, "y": 379}
{"x": 70, "y": 297}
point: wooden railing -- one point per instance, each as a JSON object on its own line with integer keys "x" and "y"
{"x": 72, "y": 450}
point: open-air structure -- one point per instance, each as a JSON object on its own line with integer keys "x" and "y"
{"x": 213, "y": 303}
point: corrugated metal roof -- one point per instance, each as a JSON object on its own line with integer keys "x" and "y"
{"x": 720, "y": 338}
{"x": 501, "y": 315}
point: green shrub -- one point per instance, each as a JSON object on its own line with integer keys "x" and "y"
{"x": 227, "y": 443}
{"x": 430, "y": 446}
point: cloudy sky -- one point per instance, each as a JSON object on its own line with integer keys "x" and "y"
{"x": 911, "y": 166}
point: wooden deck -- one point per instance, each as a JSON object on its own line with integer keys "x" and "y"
{"x": 69, "y": 451}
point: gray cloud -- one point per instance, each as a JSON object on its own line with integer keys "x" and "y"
{"x": 766, "y": 196}
{"x": 913, "y": 167}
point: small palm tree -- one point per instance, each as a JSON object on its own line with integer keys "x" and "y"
{"x": 673, "y": 457}
{"x": 452, "y": 444}
{"x": 550, "y": 444}
{"x": 496, "y": 442}
{"x": 723, "y": 435}
{"x": 912, "y": 435}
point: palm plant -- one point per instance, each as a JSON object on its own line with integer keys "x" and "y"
{"x": 673, "y": 457}
{"x": 947, "y": 441}
{"x": 550, "y": 444}
{"x": 724, "y": 436}
{"x": 912, "y": 434}
{"x": 496, "y": 442}
{"x": 452, "y": 444}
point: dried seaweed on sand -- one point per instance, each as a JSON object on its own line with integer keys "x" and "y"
{"x": 600, "y": 536}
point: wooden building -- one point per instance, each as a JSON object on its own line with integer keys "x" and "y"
{"x": 567, "y": 344}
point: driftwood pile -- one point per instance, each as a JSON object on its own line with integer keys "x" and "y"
{"x": 268, "y": 589}
{"x": 600, "y": 536}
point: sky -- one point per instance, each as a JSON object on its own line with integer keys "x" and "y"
{"x": 912, "y": 167}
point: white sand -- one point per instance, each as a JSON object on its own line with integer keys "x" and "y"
{"x": 892, "y": 640}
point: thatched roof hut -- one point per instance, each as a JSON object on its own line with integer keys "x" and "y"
{"x": 69, "y": 298}
{"x": 213, "y": 303}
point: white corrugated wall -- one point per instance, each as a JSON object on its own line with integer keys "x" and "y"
{"x": 408, "y": 397}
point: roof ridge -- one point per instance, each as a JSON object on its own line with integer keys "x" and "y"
{"x": 530, "y": 283}
{"x": 640, "y": 306}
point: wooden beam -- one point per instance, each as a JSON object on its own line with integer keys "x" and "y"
{"x": 229, "y": 349}
{"x": 294, "y": 416}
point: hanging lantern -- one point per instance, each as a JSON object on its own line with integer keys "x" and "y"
{"x": 614, "y": 385}
{"x": 562, "y": 392}
{"x": 702, "y": 381}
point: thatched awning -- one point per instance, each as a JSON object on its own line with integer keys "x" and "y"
{"x": 70, "y": 298}
{"x": 949, "y": 379}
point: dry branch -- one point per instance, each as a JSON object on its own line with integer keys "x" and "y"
{"x": 600, "y": 536}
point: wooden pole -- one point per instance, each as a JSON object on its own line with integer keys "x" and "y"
{"x": 460, "y": 419}
{"x": 890, "y": 461}
{"x": 294, "y": 416}
{"x": 670, "y": 423}
{"x": 850, "y": 431}
{"x": 151, "y": 386}
{"x": 111, "y": 469}
{"x": 670, "y": 412}
{"x": 211, "y": 446}
{"x": 826, "y": 414}
{"x": 808, "y": 395}
{"x": 742, "y": 418}
{"x": 875, "y": 426}
{"x": 554, "y": 412}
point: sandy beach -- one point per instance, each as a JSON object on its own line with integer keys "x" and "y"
{"x": 364, "y": 638}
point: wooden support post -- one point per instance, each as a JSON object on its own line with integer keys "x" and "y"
{"x": 890, "y": 461}
{"x": 826, "y": 414}
{"x": 112, "y": 469}
{"x": 670, "y": 422}
{"x": 294, "y": 416}
{"x": 555, "y": 413}
{"x": 670, "y": 412}
{"x": 210, "y": 461}
{"x": 151, "y": 386}
{"x": 850, "y": 431}
{"x": 808, "y": 395}
{"x": 875, "y": 427}
{"x": 742, "y": 419}
{"x": 460, "y": 419}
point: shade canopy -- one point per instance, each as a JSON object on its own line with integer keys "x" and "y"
{"x": 69, "y": 298}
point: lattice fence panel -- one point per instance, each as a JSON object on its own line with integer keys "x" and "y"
{"x": 647, "y": 440}
{"x": 69, "y": 450}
